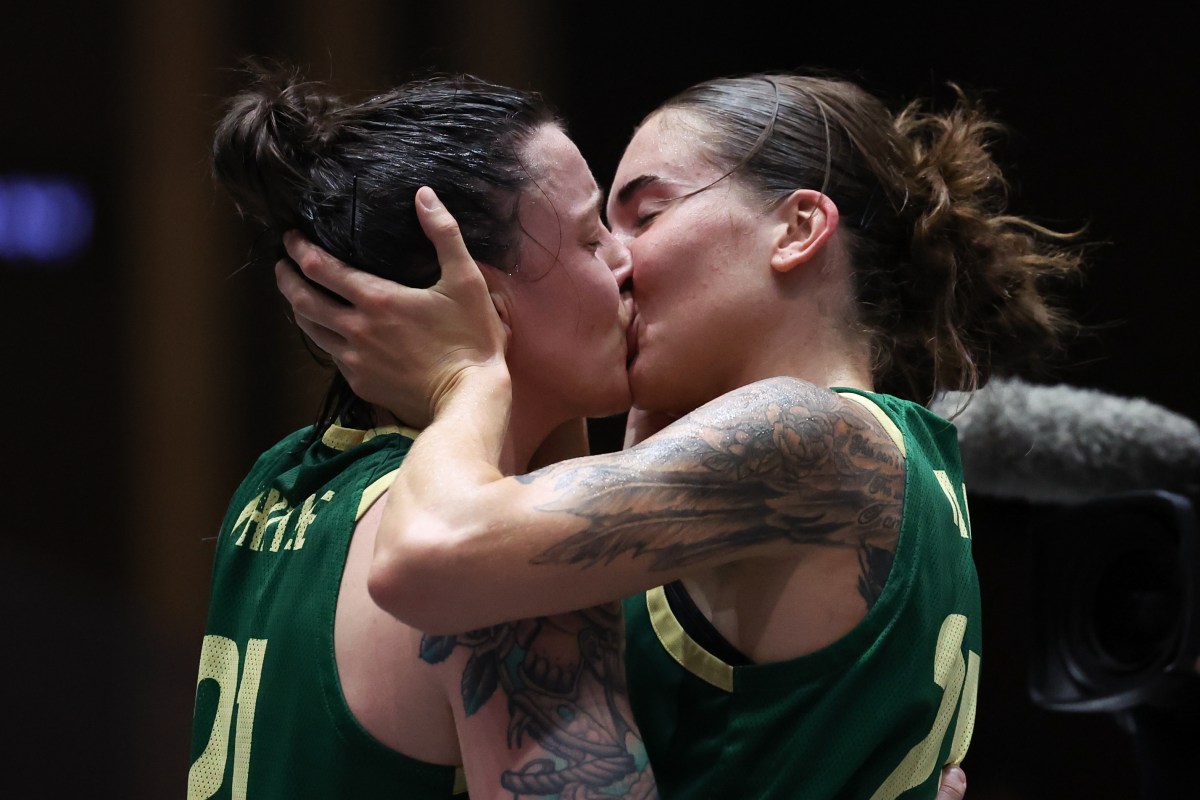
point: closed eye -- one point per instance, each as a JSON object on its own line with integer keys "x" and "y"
{"x": 643, "y": 220}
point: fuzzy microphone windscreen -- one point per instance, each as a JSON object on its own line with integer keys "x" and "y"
{"x": 1063, "y": 444}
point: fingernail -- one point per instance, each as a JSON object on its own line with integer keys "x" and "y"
{"x": 427, "y": 198}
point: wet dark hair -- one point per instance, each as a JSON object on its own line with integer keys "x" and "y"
{"x": 295, "y": 155}
{"x": 950, "y": 287}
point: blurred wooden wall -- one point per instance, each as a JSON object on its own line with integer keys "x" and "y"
{"x": 155, "y": 369}
{"x": 186, "y": 332}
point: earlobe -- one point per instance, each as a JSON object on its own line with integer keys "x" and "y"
{"x": 500, "y": 303}
{"x": 500, "y": 290}
{"x": 810, "y": 218}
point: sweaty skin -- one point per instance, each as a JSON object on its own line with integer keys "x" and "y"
{"x": 539, "y": 706}
{"x": 648, "y": 501}
{"x": 663, "y": 507}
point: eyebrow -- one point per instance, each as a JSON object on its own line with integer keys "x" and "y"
{"x": 585, "y": 212}
{"x": 596, "y": 204}
{"x": 634, "y": 186}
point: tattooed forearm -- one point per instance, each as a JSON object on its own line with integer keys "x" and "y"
{"x": 771, "y": 464}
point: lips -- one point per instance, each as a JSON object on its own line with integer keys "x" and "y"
{"x": 631, "y": 342}
{"x": 631, "y": 328}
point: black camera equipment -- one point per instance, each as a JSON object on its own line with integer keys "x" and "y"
{"x": 1114, "y": 556}
{"x": 1117, "y": 594}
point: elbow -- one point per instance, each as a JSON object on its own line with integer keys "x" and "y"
{"x": 414, "y": 582}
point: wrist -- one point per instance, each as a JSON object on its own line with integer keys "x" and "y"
{"x": 480, "y": 385}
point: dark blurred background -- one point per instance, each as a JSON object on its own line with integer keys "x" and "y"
{"x": 149, "y": 368}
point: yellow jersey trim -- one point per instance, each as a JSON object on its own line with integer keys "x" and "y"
{"x": 881, "y": 416}
{"x": 403, "y": 430}
{"x": 460, "y": 781}
{"x": 374, "y": 492}
{"x": 340, "y": 438}
{"x": 682, "y": 647}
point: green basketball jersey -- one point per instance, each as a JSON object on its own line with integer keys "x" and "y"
{"x": 873, "y": 716}
{"x": 270, "y": 718}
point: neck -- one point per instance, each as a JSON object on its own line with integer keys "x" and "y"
{"x": 821, "y": 357}
{"x": 812, "y": 336}
{"x": 515, "y": 455}
{"x": 530, "y": 422}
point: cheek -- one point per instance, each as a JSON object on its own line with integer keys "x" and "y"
{"x": 571, "y": 310}
{"x": 693, "y": 256}
{"x": 648, "y": 263}
{"x": 597, "y": 298}
{"x": 662, "y": 262}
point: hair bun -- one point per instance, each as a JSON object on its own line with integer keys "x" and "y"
{"x": 271, "y": 137}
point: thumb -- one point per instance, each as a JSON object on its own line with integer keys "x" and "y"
{"x": 953, "y": 785}
{"x": 458, "y": 266}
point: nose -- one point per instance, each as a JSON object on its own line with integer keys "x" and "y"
{"x": 620, "y": 262}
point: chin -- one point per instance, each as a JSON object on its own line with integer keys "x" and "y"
{"x": 657, "y": 402}
{"x": 645, "y": 387}
{"x": 611, "y": 395}
{"x": 594, "y": 397}
{"x": 659, "y": 392}
{"x": 617, "y": 401}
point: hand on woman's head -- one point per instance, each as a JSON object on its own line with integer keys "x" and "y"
{"x": 400, "y": 348}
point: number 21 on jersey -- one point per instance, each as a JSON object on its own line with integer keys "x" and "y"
{"x": 220, "y": 662}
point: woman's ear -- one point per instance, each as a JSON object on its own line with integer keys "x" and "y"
{"x": 500, "y": 287}
{"x": 810, "y": 218}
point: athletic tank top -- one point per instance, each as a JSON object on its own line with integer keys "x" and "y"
{"x": 873, "y": 716}
{"x": 270, "y": 718}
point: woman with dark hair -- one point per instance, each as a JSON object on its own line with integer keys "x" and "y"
{"x": 334, "y": 697}
{"x": 809, "y": 270}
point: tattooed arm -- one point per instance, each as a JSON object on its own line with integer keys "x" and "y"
{"x": 780, "y": 469}
{"x": 779, "y": 472}
{"x": 541, "y": 707}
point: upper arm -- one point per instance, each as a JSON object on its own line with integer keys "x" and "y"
{"x": 772, "y": 468}
{"x": 541, "y": 707}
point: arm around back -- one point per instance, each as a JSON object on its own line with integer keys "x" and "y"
{"x": 775, "y": 469}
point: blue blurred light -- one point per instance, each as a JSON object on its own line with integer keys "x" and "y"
{"x": 44, "y": 220}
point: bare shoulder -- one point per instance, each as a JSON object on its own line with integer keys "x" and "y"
{"x": 804, "y": 428}
{"x": 759, "y": 471}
